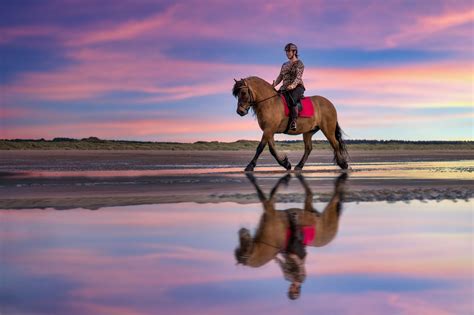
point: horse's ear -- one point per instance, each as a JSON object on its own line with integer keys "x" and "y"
{"x": 235, "y": 80}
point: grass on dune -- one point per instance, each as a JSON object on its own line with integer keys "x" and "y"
{"x": 94, "y": 143}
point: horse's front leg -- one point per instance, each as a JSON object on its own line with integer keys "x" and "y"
{"x": 308, "y": 146}
{"x": 284, "y": 180}
{"x": 282, "y": 161}
{"x": 260, "y": 193}
{"x": 243, "y": 251}
{"x": 260, "y": 148}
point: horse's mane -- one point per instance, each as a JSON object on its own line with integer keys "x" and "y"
{"x": 239, "y": 84}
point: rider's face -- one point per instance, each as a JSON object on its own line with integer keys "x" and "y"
{"x": 290, "y": 54}
{"x": 295, "y": 290}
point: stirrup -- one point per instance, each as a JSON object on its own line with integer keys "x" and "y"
{"x": 293, "y": 125}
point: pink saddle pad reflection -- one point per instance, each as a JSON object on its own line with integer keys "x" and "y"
{"x": 309, "y": 232}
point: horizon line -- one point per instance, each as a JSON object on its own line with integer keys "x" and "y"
{"x": 92, "y": 138}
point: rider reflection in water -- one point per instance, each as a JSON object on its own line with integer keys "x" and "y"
{"x": 293, "y": 263}
{"x": 282, "y": 235}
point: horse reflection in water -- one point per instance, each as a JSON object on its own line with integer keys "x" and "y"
{"x": 287, "y": 232}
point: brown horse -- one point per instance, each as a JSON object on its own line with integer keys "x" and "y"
{"x": 261, "y": 96}
{"x": 270, "y": 237}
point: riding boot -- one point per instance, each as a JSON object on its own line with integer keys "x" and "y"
{"x": 296, "y": 241}
{"x": 294, "y": 117}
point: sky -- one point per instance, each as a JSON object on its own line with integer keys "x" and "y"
{"x": 164, "y": 70}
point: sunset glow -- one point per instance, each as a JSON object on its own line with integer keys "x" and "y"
{"x": 159, "y": 71}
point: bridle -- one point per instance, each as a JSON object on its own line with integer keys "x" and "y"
{"x": 245, "y": 256}
{"x": 252, "y": 101}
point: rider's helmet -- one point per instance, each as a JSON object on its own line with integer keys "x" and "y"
{"x": 291, "y": 46}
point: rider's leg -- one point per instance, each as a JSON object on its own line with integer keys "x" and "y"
{"x": 293, "y": 116}
{"x": 295, "y": 96}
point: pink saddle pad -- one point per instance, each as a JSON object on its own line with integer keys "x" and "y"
{"x": 309, "y": 232}
{"x": 306, "y": 103}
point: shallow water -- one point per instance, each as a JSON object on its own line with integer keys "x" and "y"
{"x": 461, "y": 169}
{"x": 387, "y": 258}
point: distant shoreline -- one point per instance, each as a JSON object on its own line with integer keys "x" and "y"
{"x": 93, "y": 143}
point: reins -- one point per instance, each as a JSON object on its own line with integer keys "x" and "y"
{"x": 253, "y": 102}
{"x": 252, "y": 99}
{"x": 265, "y": 243}
{"x": 245, "y": 257}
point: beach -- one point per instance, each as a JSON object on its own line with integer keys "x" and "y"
{"x": 65, "y": 179}
{"x": 156, "y": 232}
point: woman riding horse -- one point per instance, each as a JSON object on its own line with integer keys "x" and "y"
{"x": 291, "y": 74}
{"x": 261, "y": 96}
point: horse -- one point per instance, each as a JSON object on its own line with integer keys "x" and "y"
{"x": 270, "y": 236}
{"x": 254, "y": 92}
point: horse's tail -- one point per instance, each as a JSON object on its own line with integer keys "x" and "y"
{"x": 342, "y": 153}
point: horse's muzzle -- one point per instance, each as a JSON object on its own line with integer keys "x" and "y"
{"x": 242, "y": 111}
{"x": 244, "y": 233}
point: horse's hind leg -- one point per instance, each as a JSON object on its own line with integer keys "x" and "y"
{"x": 308, "y": 146}
{"x": 329, "y": 219}
{"x": 308, "y": 201}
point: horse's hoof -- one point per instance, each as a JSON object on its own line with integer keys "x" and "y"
{"x": 286, "y": 164}
{"x": 249, "y": 168}
{"x": 286, "y": 179}
{"x": 298, "y": 168}
{"x": 343, "y": 165}
{"x": 342, "y": 178}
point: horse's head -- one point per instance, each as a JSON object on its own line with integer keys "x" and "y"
{"x": 243, "y": 93}
{"x": 243, "y": 251}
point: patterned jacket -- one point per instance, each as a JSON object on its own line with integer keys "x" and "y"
{"x": 292, "y": 74}
{"x": 293, "y": 267}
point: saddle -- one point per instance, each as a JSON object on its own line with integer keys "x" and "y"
{"x": 289, "y": 101}
{"x": 305, "y": 106}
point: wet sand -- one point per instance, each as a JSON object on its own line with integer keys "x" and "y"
{"x": 16, "y": 160}
{"x": 96, "y": 179}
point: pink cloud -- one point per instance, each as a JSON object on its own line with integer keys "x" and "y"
{"x": 230, "y": 129}
{"x": 360, "y": 119}
{"x": 13, "y": 112}
{"x": 126, "y": 30}
{"x": 130, "y": 128}
{"x": 8, "y": 34}
{"x": 83, "y": 307}
{"x": 426, "y": 26}
{"x": 387, "y": 25}
{"x": 179, "y": 22}
{"x": 98, "y": 74}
